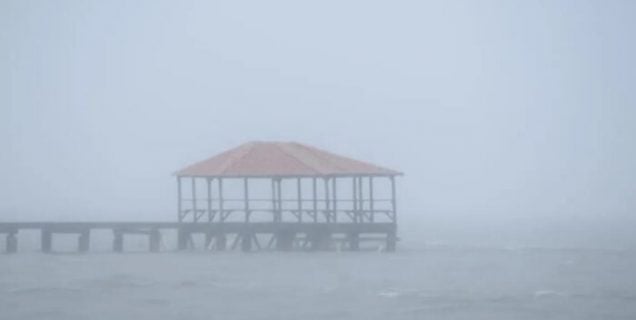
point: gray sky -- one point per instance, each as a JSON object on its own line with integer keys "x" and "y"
{"x": 498, "y": 111}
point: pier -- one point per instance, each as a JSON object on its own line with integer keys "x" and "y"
{"x": 259, "y": 196}
{"x": 217, "y": 237}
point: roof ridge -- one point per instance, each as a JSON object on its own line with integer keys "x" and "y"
{"x": 281, "y": 146}
{"x": 249, "y": 147}
{"x": 317, "y": 153}
{"x": 282, "y": 158}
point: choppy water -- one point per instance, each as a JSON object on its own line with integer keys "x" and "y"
{"x": 433, "y": 283}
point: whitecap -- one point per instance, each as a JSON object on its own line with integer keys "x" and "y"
{"x": 389, "y": 294}
{"x": 548, "y": 293}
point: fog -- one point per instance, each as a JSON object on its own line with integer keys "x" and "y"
{"x": 512, "y": 120}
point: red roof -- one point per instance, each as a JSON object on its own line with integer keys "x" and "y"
{"x": 276, "y": 159}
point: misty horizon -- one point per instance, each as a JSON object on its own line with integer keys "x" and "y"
{"x": 505, "y": 116}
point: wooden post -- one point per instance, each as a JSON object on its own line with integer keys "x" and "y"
{"x": 220, "y": 241}
{"x": 246, "y": 241}
{"x": 334, "y": 190}
{"x": 285, "y": 240}
{"x": 118, "y": 241}
{"x": 12, "y": 243}
{"x": 279, "y": 194}
{"x": 393, "y": 199}
{"x": 300, "y": 200}
{"x": 391, "y": 240}
{"x": 83, "y": 241}
{"x": 210, "y": 216}
{"x": 354, "y": 241}
{"x": 179, "y": 197}
{"x": 209, "y": 237}
{"x": 183, "y": 236}
{"x": 371, "y": 204}
{"x": 320, "y": 239}
{"x": 274, "y": 207}
{"x": 195, "y": 213}
{"x": 361, "y": 199}
{"x": 221, "y": 201}
{"x": 355, "y": 199}
{"x": 246, "y": 192}
{"x": 154, "y": 240}
{"x": 46, "y": 240}
{"x": 327, "y": 201}
{"x": 315, "y": 200}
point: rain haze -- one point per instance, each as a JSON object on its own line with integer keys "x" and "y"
{"x": 513, "y": 122}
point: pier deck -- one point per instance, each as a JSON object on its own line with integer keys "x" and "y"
{"x": 218, "y": 236}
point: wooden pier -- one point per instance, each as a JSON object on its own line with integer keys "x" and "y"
{"x": 254, "y": 236}
{"x": 260, "y": 196}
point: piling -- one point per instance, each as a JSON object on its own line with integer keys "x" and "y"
{"x": 46, "y": 240}
{"x": 118, "y": 241}
{"x": 154, "y": 240}
{"x": 12, "y": 243}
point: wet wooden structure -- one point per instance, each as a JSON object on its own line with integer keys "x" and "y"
{"x": 217, "y": 237}
{"x": 260, "y": 196}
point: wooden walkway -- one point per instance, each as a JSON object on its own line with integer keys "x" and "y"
{"x": 218, "y": 236}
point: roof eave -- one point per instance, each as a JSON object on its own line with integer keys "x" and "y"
{"x": 336, "y": 175}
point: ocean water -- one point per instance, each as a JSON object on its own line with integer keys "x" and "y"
{"x": 433, "y": 282}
